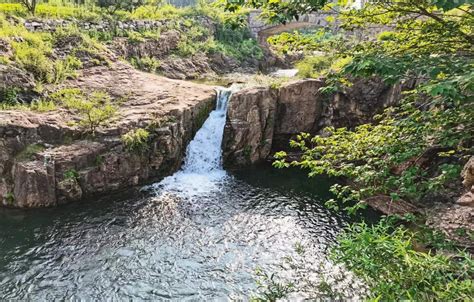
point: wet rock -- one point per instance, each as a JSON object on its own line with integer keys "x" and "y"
{"x": 69, "y": 190}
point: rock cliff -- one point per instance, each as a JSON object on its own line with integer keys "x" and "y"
{"x": 46, "y": 160}
{"x": 262, "y": 120}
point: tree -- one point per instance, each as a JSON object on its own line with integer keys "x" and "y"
{"x": 114, "y": 5}
{"x": 30, "y": 5}
{"x": 430, "y": 42}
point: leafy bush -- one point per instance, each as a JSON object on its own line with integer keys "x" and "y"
{"x": 95, "y": 109}
{"x": 42, "y": 105}
{"x": 148, "y": 64}
{"x": 385, "y": 257}
{"x": 313, "y": 67}
{"x": 52, "y": 11}
{"x": 34, "y": 50}
{"x": 8, "y": 97}
{"x": 304, "y": 41}
{"x": 136, "y": 141}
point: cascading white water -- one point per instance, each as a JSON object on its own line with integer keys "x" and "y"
{"x": 202, "y": 169}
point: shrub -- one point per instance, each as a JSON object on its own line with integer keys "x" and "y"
{"x": 8, "y": 97}
{"x": 148, "y": 64}
{"x": 136, "y": 141}
{"x": 64, "y": 69}
{"x": 94, "y": 109}
{"x": 313, "y": 67}
{"x": 384, "y": 256}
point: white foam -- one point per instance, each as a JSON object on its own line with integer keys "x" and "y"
{"x": 202, "y": 171}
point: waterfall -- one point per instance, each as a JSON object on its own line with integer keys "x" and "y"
{"x": 202, "y": 170}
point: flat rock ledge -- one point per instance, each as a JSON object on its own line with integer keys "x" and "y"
{"x": 45, "y": 162}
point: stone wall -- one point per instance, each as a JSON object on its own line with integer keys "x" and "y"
{"x": 103, "y": 25}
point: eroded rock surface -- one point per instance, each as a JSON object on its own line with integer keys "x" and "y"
{"x": 45, "y": 160}
{"x": 299, "y": 107}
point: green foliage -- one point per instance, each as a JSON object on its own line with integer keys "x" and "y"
{"x": 305, "y": 41}
{"x": 278, "y": 11}
{"x": 95, "y": 109}
{"x": 433, "y": 122}
{"x": 33, "y": 52}
{"x": 236, "y": 42}
{"x": 313, "y": 67}
{"x": 8, "y": 97}
{"x": 384, "y": 255}
{"x": 10, "y": 198}
{"x": 149, "y": 64}
{"x": 42, "y": 105}
{"x": 136, "y": 141}
{"x": 52, "y": 11}
{"x": 271, "y": 289}
{"x": 71, "y": 174}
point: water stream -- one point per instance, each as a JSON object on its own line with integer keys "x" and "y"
{"x": 198, "y": 235}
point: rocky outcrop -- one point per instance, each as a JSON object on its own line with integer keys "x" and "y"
{"x": 253, "y": 131}
{"x": 249, "y": 131}
{"x": 467, "y": 174}
{"x": 45, "y": 160}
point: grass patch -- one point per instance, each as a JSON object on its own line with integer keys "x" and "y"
{"x": 148, "y": 64}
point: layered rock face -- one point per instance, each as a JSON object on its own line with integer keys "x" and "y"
{"x": 262, "y": 120}
{"x": 45, "y": 161}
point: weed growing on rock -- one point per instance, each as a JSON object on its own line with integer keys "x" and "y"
{"x": 71, "y": 174}
{"x": 10, "y": 198}
{"x": 148, "y": 64}
{"x": 136, "y": 141}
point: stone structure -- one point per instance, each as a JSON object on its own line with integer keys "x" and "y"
{"x": 103, "y": 25}
{"x": 259, "y": 28}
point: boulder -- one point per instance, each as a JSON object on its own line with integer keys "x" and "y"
{"x": 13, "y": 77}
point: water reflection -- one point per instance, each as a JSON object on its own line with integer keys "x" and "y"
{"x": 168, "y": 247}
